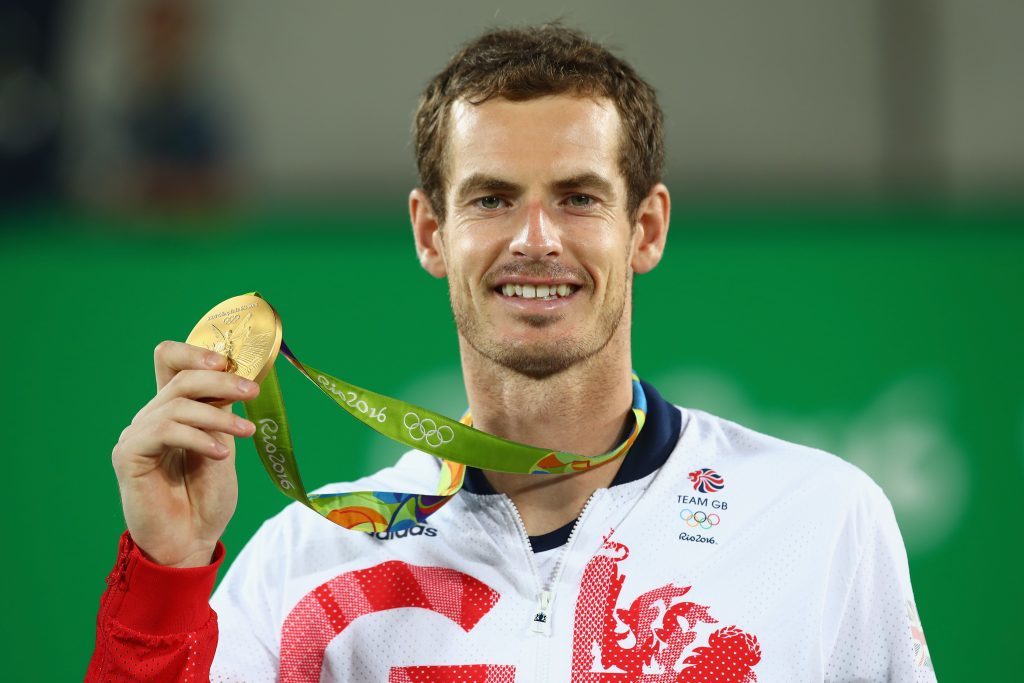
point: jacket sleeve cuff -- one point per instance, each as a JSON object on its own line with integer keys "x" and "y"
{"x": 161, "y": 600}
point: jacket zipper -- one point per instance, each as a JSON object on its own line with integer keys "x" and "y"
{"x": 541, "y": 622}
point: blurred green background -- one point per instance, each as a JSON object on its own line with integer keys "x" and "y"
{"x": 889, "y": 336}
{"x": 845, "y": 269}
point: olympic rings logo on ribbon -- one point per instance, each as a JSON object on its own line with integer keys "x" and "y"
{"x": 699, "y": 518}
{"x": 427, "y": 430}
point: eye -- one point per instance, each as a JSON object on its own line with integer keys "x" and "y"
{"x": 489, "y": 202}
{"x": 581, "y": 201}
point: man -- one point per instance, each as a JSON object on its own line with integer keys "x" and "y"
{"x": 707, "y": 553}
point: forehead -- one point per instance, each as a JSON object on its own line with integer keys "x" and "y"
{"x": 547, "y": 135}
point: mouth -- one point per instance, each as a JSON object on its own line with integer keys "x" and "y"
{"x": 527, "y": 291}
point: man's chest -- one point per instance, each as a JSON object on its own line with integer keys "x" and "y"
{"x": 640, "y": 601}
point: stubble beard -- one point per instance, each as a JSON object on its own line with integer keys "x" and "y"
{"x": 543, "y": 359}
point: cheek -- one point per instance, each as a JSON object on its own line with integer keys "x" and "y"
{"x": 606, "y": 260}
{"x": 472, "y": 255}
{"x": 467, "y": 265}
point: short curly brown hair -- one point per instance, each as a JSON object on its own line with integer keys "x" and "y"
{"x": 524, "y": 63}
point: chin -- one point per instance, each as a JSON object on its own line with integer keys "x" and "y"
{"x": 536, "y": 346}
{"x": 536, "y": 366}
{"x": 537, "y": 359}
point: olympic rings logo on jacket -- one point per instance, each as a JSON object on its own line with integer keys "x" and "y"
{"x": 699, "y": 518}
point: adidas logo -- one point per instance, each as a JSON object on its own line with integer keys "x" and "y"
{"x": 418, "y": 530}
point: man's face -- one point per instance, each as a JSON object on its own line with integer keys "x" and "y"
{"x": 537, "y": 242}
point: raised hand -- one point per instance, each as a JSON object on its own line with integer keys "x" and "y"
{"x": 175, "y": 462}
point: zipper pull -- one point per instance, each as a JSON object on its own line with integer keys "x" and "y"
{"x": 542, "y": 619}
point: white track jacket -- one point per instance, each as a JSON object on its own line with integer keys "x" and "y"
{"x": 742, "y": 558}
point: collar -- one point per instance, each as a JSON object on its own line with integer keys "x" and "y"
{"x": 651, "y": 449}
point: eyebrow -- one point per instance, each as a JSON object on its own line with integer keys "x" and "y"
{"x": 587, "y": 180}
{"x": 482, "y": 182}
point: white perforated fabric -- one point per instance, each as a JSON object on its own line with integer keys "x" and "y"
{"x": 745, "y": 558}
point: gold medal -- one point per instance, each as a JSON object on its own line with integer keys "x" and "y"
{"x": 246, "y": 330}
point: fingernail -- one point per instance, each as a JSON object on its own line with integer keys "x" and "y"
{"x": 244, "y": 425}
{"x": 212, "y": 360}
{"x": 246, "y": 386}
{"x": 220, "y": 448}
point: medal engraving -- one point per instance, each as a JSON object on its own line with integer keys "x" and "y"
{"x": 244, "y": 329}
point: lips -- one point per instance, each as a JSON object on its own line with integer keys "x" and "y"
{"x": 546, "y": 292}
{"x": 536, "y": 288}
{"x": 536, "y": 302}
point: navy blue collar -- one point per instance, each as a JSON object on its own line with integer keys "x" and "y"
{"x": 649, "y": 452}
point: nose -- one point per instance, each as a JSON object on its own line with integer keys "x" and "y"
{"x": 538, "y": 239}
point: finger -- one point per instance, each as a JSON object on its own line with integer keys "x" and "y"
{"x": 165, "y": 434}
{"x": 206, "y": 385}
{"x": 171, "y": 357}
{"x": 206, "y": 417}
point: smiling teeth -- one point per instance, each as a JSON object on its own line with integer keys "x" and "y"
{"x": 546, "y": 292}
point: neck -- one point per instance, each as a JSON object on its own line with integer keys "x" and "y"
{"x": 584, "y": 409}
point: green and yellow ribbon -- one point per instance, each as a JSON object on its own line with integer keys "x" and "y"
{"x": 454, "y": 442}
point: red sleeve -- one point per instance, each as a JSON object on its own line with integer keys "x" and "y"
{"x": 155, "y": 622}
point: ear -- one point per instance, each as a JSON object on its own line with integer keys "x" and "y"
{"x": 427, "y": 234}
{"x": 651, "y": 229}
